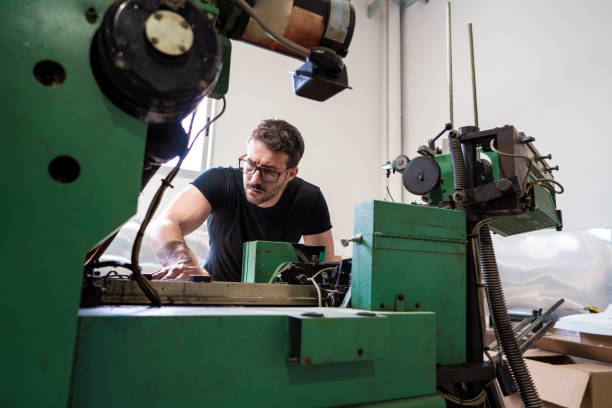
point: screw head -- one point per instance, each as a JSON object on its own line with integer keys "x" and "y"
{"x": 185, "y": 25}
{"x": 154, "y": 40}
{"x": 157, "y": 16}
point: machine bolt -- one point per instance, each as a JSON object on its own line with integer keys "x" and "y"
{"x": 355, "y": 238}
{"x": 157, "y": 16}
{"x": 459, "y": 197}
{"x": 302, "y": 279}
{"x": 417, "y": 305}
{"x": 360, "y": 352}
{"x": 185, "y": 25}
{"x": 551, "y": 169}
{"x": 154, "y": 40}
{"x": 382, "y": 305}
{"x": 540, "y": 158}
{"x": 400, "y": 297}
{"x": 120, "y": 63}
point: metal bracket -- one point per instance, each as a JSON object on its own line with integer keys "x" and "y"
{"x": 375, "y": 5}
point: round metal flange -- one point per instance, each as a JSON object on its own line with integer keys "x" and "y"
{"x": 169, "y": 33}
{"x": 421, "y": 175}
{"x": 400, "y": 162}
{"x": 156, "y": 64}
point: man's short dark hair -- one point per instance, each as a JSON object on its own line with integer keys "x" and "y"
{"x": 280, "y": 136}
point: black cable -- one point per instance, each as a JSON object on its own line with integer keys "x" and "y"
{"x": 390, "y": 196}
{"x": 142, "y": 282}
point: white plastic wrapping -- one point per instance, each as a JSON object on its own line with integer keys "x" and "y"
{"x": 538, "y": 268}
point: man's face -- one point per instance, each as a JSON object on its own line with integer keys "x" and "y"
{"x": 257, "y": 190}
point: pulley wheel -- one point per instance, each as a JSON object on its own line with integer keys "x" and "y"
{"x": 421, "y": 175}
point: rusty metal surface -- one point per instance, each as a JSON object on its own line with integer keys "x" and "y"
{"x": 119, "y": 291}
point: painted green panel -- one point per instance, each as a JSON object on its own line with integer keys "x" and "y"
{"x": 324, "y": 341}
{"x": 544, "y": 216}
{"x": 237, "y": 357}
{"x": 261, "y": 258}
{"x": 405, "y": 220}
{"x": 444, "y": 192}
{"x": 48, "y": 226}
{"x": 411, "y": 270}
{"x": 430, "y": 401}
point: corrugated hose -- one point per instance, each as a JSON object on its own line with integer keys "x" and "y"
{"x": 499, "y": 311}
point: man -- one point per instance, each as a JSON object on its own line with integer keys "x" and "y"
{"x": 261, "y": 200}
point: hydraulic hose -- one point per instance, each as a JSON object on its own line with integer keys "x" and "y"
{"x": 488, "y": 266}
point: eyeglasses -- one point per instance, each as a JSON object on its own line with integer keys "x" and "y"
{"x": 267, "y": 174}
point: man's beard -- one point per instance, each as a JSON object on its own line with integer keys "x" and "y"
{"x": 262, "y": 193}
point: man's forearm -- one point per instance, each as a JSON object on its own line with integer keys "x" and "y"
{"x": 168, "y": 243}
{"x": 169, "y": 246}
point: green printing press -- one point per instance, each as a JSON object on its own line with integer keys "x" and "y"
{"x": 91, "y": 109}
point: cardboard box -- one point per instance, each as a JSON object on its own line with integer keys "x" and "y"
{"x": 596, "y": 339}
{"x": 563, "y": 383}
{"x": 595, "y": 349}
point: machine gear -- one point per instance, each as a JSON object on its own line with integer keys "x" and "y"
{"x": 421, "y": 175}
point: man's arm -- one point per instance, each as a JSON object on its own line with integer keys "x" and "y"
{"x": 167, "y": 234}
{"x": 325, "y": 239}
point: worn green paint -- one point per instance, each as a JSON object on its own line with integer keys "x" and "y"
{"x": 416, "y": 253}
{"x": 429, "y": 401}
{"x": 322, "y": 341}
{"x": 48, "y": 226}
{"x": 260, "y": 259}
{"x": 238, "y": 357}
{"x": 544, "y": 216}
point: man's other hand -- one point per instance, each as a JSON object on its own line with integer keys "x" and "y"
{"x": 179, "y": 271}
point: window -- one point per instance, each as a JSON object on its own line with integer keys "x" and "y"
{"x": 198, "y": 158}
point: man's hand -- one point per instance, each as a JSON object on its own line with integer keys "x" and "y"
{"x": 179, "y": 271}
{"x": 179, "y": 262}
{"x": 167, "y": 235}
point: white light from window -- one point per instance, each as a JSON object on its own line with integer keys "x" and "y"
{"x": 195, "y": 158}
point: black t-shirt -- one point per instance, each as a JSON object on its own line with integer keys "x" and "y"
{"x": 301, "y": 210}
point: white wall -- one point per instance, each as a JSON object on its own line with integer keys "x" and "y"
{"x": 543, "y": 66}
{"x": 342, "y": 135}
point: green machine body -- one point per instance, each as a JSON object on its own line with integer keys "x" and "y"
{"x": 413, "y": 257}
